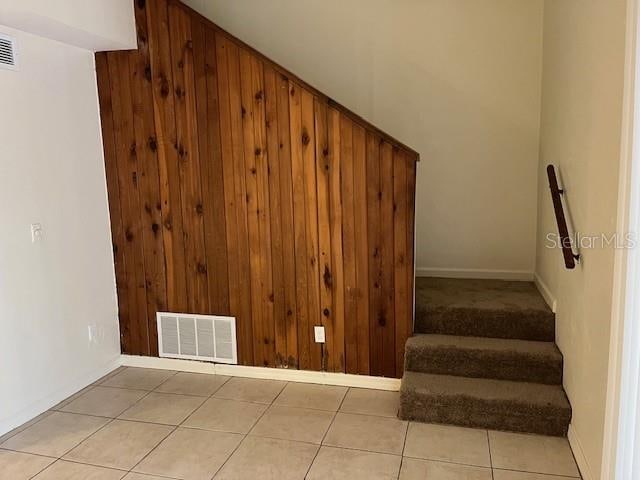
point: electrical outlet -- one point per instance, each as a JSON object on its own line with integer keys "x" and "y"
{"x": 36, "y": 232}
{"x": 318, "y": 332}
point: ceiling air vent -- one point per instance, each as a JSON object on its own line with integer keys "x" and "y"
{"x": 197, "y": 337}
{"x": 8, "y": 55}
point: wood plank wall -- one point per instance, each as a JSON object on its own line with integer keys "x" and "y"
{"x": 237, "y": 189}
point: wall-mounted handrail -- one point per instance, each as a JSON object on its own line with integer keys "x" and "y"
{"x": 570, "y": 257}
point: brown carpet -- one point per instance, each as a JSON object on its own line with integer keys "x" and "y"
{"x": 484, "y": 356}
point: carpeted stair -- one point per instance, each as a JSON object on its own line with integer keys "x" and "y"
{"x": 483, "y": 356}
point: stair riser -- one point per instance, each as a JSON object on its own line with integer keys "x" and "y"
{"x": 467, "y": 412}
{"x": 522, "y": 325}
{"x": 482, "y": 364}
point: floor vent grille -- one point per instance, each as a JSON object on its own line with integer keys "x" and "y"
{"x": 197, "y": 337}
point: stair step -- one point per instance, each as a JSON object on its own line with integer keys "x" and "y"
{"x": 485, "y": 403}
{"x": 518, "y": 360}
{"x": 482, "y": 308}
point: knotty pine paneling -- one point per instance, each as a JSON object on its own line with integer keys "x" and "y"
{"x": 237, "y": 189}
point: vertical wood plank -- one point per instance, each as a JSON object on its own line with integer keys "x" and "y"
{"x": 288, "y": 230}
{"x": 311, "y": 204}
{"x": 374, "y": 233}
{"x": 148, "y": 178}
{"x": 209, "y": 146}
{"x": 299, "y": 226}
{"x": 189, "y": 158}
{"x": 127, "y": 166}
{"x": 164, "y": 120}
{"x": 331, "y": 357}
{"x": 239, "y": 159}
{"x": 401, "y": 289}
{"x": 253, "y": 209}
{"x": 111, "y": 170}
{"x": 336, "y": 220}
{"x": 349, "y": 245}
{"x": 386, "y": 319}
{"x": 362, "y": 254}
{"x": 411, "y": 198}
{"x": 275, "y": 204}
{"x": 264, "y": 212}
{"x": 234, "y": 202}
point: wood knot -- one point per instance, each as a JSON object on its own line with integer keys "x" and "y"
{"x": 326, "y": 312}
{"x": 154, "y": 228}
{"x": 189, "y": 44}
{"x": 133, "y": 149}
{"x": 168, "y": 225}
{"x": 164, "y": 87}
{"x": 289, "y": 313}
{"x": 153, "y": 144}
{"x": 179, "y": 92}
{"x": 147, "y": 73}
{"x": 199, "y": 209}
{"x": 325, "y": 152}
{"x": 202, "y": 268}
{"x": 141, "y": 4}
{"x": 379, "y": 195}
{"x": 327, "y": 277}
{"x": 258, "y": 151}
{"x": 253, "y": 170}
{"x": 266, "y": 342}
{"x": 258, "y": 95}
{"x": 305, "y": 138}
{"x": 382, "y": 321}
{"x": 292, "y": 91}
{"x": 128, "y": 235}
{"x": 271, "y": 297}
{"x": 243, "y": 111}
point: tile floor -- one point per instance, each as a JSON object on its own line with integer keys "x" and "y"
{"x": 142, "y": 424}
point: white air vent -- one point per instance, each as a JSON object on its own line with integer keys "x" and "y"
{"x": 197, "y": 337}
{"x": 8, "y": 54}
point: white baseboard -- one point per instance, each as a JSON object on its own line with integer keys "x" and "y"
{"x": 578, "y": 453}
{"x": 517, "y": 275}
{"x": 290, "y": 375}
{"x": 545, "y": 292}
{"x": 49, "y": 401}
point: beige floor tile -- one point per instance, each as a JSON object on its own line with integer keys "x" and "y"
{"x": 76, "y": 471}
{"x": 165, "y": 408}
{"x": 21, "y": 466}
{"x": 291, "y": 423}
{"x": 104, "y": 401}
{"x": 342, "y": 464}
{"x": 198, "y": 384}
{"x": 113, "y": 373}
{"x": 365, "y": 432}
{"x": 371, "y": 402}
{"x": 250, "y": 390}
{"x": 24, "y": 426}
{"x": 70, "y": 399}
{"x": 190, "y": 454}
{"x": 448, "y": 444}
{"x": 120, "y": 444}
{"x": 511, "y": 475}
{"x": 226, "y": 415}
{"x": 55, "y": 435}
{"x": 532, "y": 453}
{"x": 307, "y": 395}
{"x": 138, "y": 378}
{"x": 268, "y": 459}
{"x": 414, "y": 469}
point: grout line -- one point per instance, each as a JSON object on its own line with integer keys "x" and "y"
{"x": 490, "y": 456}
{"x": 246, "y": 435}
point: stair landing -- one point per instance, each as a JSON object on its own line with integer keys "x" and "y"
{"x": 483, "y": 308}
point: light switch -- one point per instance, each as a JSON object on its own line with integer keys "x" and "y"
{"x": 36, "y": 232}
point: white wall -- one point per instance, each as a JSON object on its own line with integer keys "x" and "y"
{"x": 91, "y": 24}
{"x": 583, "y": 74}
{"x": 52, "y": 172}
{"x": 458, "y": 80}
